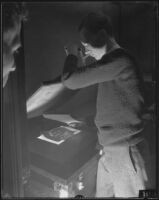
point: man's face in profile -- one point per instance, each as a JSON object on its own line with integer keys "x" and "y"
{"x": 11, "y": 43}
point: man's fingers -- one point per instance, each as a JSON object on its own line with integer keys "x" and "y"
{"x": 78, "y": 50}
{"x": 87, "y": 52}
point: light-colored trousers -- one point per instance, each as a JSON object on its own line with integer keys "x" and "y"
{"x": 124, "y": 170}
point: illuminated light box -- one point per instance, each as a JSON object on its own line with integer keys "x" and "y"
{"x": 50, "y": 94}
{"x": 43, "y": 95}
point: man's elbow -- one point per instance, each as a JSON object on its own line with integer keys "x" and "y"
{"x": 69, "y": 85}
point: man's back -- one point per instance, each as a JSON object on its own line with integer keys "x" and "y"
{"x": 119, "y": 101}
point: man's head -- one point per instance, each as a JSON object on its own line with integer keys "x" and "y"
{"x": 95, "y": 31}
{"x": 12, "y": 16}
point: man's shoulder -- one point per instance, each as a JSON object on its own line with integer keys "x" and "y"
{"x": 119, "y": 53}
{"x": 115, "y": 53}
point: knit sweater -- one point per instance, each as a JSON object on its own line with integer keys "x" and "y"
{"x": 120, "y": 99}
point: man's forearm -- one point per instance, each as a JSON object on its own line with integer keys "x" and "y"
{"x": 86, "y": 76}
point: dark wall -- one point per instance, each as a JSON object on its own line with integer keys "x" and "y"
{"x": 138, "y": 32}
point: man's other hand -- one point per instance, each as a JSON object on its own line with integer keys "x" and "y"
{"x": 75, "y": 49}
{"x": 71, "y": 48}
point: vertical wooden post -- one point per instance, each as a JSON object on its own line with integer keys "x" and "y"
{"x": 15, "y": 162}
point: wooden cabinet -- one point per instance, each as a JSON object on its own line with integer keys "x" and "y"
{"x": 82, "y": 182}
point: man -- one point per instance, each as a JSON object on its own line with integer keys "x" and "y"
{"x": 12, "y": 16}
{"x": 123, "y": 167}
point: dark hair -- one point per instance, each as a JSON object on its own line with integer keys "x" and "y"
{"x": 94, "y": 28}
{"x": 13, "y": 12}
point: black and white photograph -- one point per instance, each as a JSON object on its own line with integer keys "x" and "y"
{"x": 79, "y": 99}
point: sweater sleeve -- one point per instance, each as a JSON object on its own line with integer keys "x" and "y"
{"x": 96, "y": 73}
